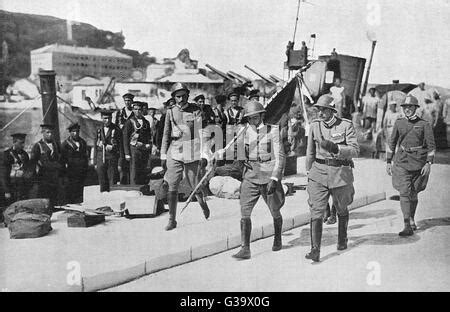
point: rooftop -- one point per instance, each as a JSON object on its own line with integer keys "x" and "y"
{"x": 79, "y": 50}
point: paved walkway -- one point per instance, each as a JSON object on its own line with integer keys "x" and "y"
{"x": 121, "y": 249}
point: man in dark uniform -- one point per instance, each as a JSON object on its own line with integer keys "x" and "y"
{"x": 412, "y": 142}
{"x": 137, "y": 144}
{"x": 75, "y": 160}
{"x": 180, "y": 150}
{"x": 16, "y": 177}
{"x": 160, "y": 125}
{"x": 264, "y": 163}
{"x": 108, "y": 152}
{"x": 220, "y": 117}
{"x": 331, "y": 146}
{"x": 234, "y": 113}
{"x": 46, "y": 156}
{"x": 121, "y": 118}
{"x": 207, "y": 113}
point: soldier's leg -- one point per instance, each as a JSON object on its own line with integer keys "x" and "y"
{"x": 113, "y": 167}
{"x": 134, "y": 163}
{"x": 414, "y": 201}
{"x": 419, "y": 184}
{"x": 125, "y": 173}
{"x": 342, "y": 198}
{"x": 249, "y": 195}
{"x": 173, "y": 176}
{"x": 102, "y": 173}
{"x": 318, "y": 200}
{"x": 276, "y": 215}
{"x": 192, "y": 171}
{"x": 402, "y": 181}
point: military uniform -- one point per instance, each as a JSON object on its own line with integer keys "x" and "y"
{"x": 331, "y": 147}
{"x": 413, "y": 144}
{"x": 121, "y": 118}
{"x": 15, "y": 174}
{"x": 75, "y": 159}
{"x": 107, "y": 161}
{"x": 137, "y": 142}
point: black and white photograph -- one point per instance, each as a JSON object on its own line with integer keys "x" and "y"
{"x": 224, "y": 150}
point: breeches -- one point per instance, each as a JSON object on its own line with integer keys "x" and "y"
{"x": 174, "y": 173}
{"x": 250, "y": 193}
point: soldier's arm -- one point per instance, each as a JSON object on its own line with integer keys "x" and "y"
{"x": 64, "y": 152}
{"x": 126, "y": 133}
{"x": 393, "y": 142}
{"x": 310, "y": 149}
{"x": 5, "y": 173}
{"x": 280, "y": 155}
{"x": 166, "y": 136}
{"x": 430, "y": 143}
{"x": 94, "y": 157}
{"x": 351, "y": 148}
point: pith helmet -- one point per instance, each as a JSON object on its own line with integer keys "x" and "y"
{"x": 178, "y": 87}
{"x": 410, "y": 100}
{"x": 326, "y": 101}
{"x": 253, "y": 108}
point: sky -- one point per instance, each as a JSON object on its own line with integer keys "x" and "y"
{"x": 413, "y": 36}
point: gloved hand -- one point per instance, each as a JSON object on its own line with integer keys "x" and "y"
{"x": 426, "y": 169}
{"x": 164, "y": 164}
{"x": 203, "y": 162}
{"x": 271, "y": 187}
{"x": 329, "y": 146}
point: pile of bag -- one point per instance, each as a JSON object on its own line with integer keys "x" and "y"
{"x": 29, "y": 218}
{"x": 225, "y": 187}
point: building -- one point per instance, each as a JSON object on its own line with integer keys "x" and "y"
{"x": 75, "y": 62}
{"x": 88, "y": 87}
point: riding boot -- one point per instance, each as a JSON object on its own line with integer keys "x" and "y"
{"x": 413, "y": 213}
{"x": 342, "y": 232}
{"x": 246, "y": 230}
{"x": 316, "y": 237}
{"x": 203, "y": 204}
{"x": 407, "y": 231}
{"x": 277, "y": 225}
{"x": 172, "y": 201}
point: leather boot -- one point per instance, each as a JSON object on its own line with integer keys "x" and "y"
{"x": 246, "y": 230}
{"x": 172, "y": 201}
{"x": 407, "y": 231}
{"x": 277, "y": 225}
{"x": 413, "y": 213}
{"x": 203, "y": 204}
{"x": 342, "y": 232}
{"x": 316, "y": 237}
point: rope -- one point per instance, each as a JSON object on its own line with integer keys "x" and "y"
{"x": 84, "y": 114}
{"x": 17, "y": 116}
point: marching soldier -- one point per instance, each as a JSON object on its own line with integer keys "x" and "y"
{"x": 121, "y": 118}
{"x": 108, "y": 152}
{"x": 180, "y": 150}
{"x": 331, "y": 146}
{"x": 413, "y": 145}
{"x": 16, "y": 174}
{"x": 264, "y": 164}
{"x": 46, "y": 157}
{"x": 75, "y": 159}
{"x": 137, "y": 143}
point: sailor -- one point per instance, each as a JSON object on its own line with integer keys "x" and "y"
{"x": 137, "y": 143}
{"x": 160, "y": 125}
{"x": 121, "y": 117}
{"x": 16, "y": 177}
{"x": 181, "y": 150}
{"x": 220, "y": 117}
{"x": 149, "y": 115}
{"x": 413, "y": 147}
{"x": 264, "y": 163}
{"x": 207, "y": 112}
{"x": 108, "y": 152}
{"x": 331, "y": 146}
{"x": 75, "y": 159}
{"x": 47, "y": 159}
{"x": 234, "y": 112}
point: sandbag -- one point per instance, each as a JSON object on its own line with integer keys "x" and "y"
{"x": 35, "y": 205}
{"x": 225, "y": 187}
{"x": 29, "y": 225}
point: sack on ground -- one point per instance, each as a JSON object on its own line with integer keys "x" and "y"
{"x": 29, "y": 225}
{"x": 225, "y": 187}
{"x": 35, "y": 205}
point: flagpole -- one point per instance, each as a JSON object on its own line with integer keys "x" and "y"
{"x": 296, "y": 21}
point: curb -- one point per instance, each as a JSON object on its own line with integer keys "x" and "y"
{"x": 118, "y": 277}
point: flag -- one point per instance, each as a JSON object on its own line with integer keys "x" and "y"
{"x": 281, "y": 102}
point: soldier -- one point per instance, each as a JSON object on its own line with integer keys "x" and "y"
{"x": 264, "y": 164}
{"x": 121, "y": 118}
{"x": 331, "y": 146}
{"x": 16, "y": 174}
{"x": 207, "y": 112}
{"x": 234, "y": 112}
{"x": 137, "y": 143}
{"x": 413, "y": 158}
{"x": 75, "y": 160}
{"x": 160, "y": 125}
{"x": 220, "y": 117}
{"x": 180, "y": 150}
{"x": 46, "y": 156}
{"x": 108, "y": 152}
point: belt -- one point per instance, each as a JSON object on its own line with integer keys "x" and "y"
{"x": 411, "y": 149}
{"x": 335, "y": 162}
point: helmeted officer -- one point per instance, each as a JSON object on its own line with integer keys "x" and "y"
{"x": 47, "y": 158}
{"x": 181, "y": 149}
{"x": 75, "y": 159}
{"x": 121, "y": 118}
{"x": 16, "y": 177}
{"x": 264, "y": 163}
{"x": 108, "y": 152}
{"x": 137, "y": 143}
{"x": 331, "y": 146}
{"x": 412, "y": 143}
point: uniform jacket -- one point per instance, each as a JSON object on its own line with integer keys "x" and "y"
{"x": 122, "y": 117}
{"x": 45, "y": 158}
{"x": 207, "y": 115}
{"x": 15, "y": 163}
{"x": 136, "y": 132}
{"x": 232, "y": 117}
{"x": 182, "y": 137}
{"x": 112, "y": 137}
{"x": 412, "y": 143}
{"x": 343, "y": 134}
{"x": 220, "y": 114}
{"x": 264, "y": 154}
{"x": 75, "y": 158}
